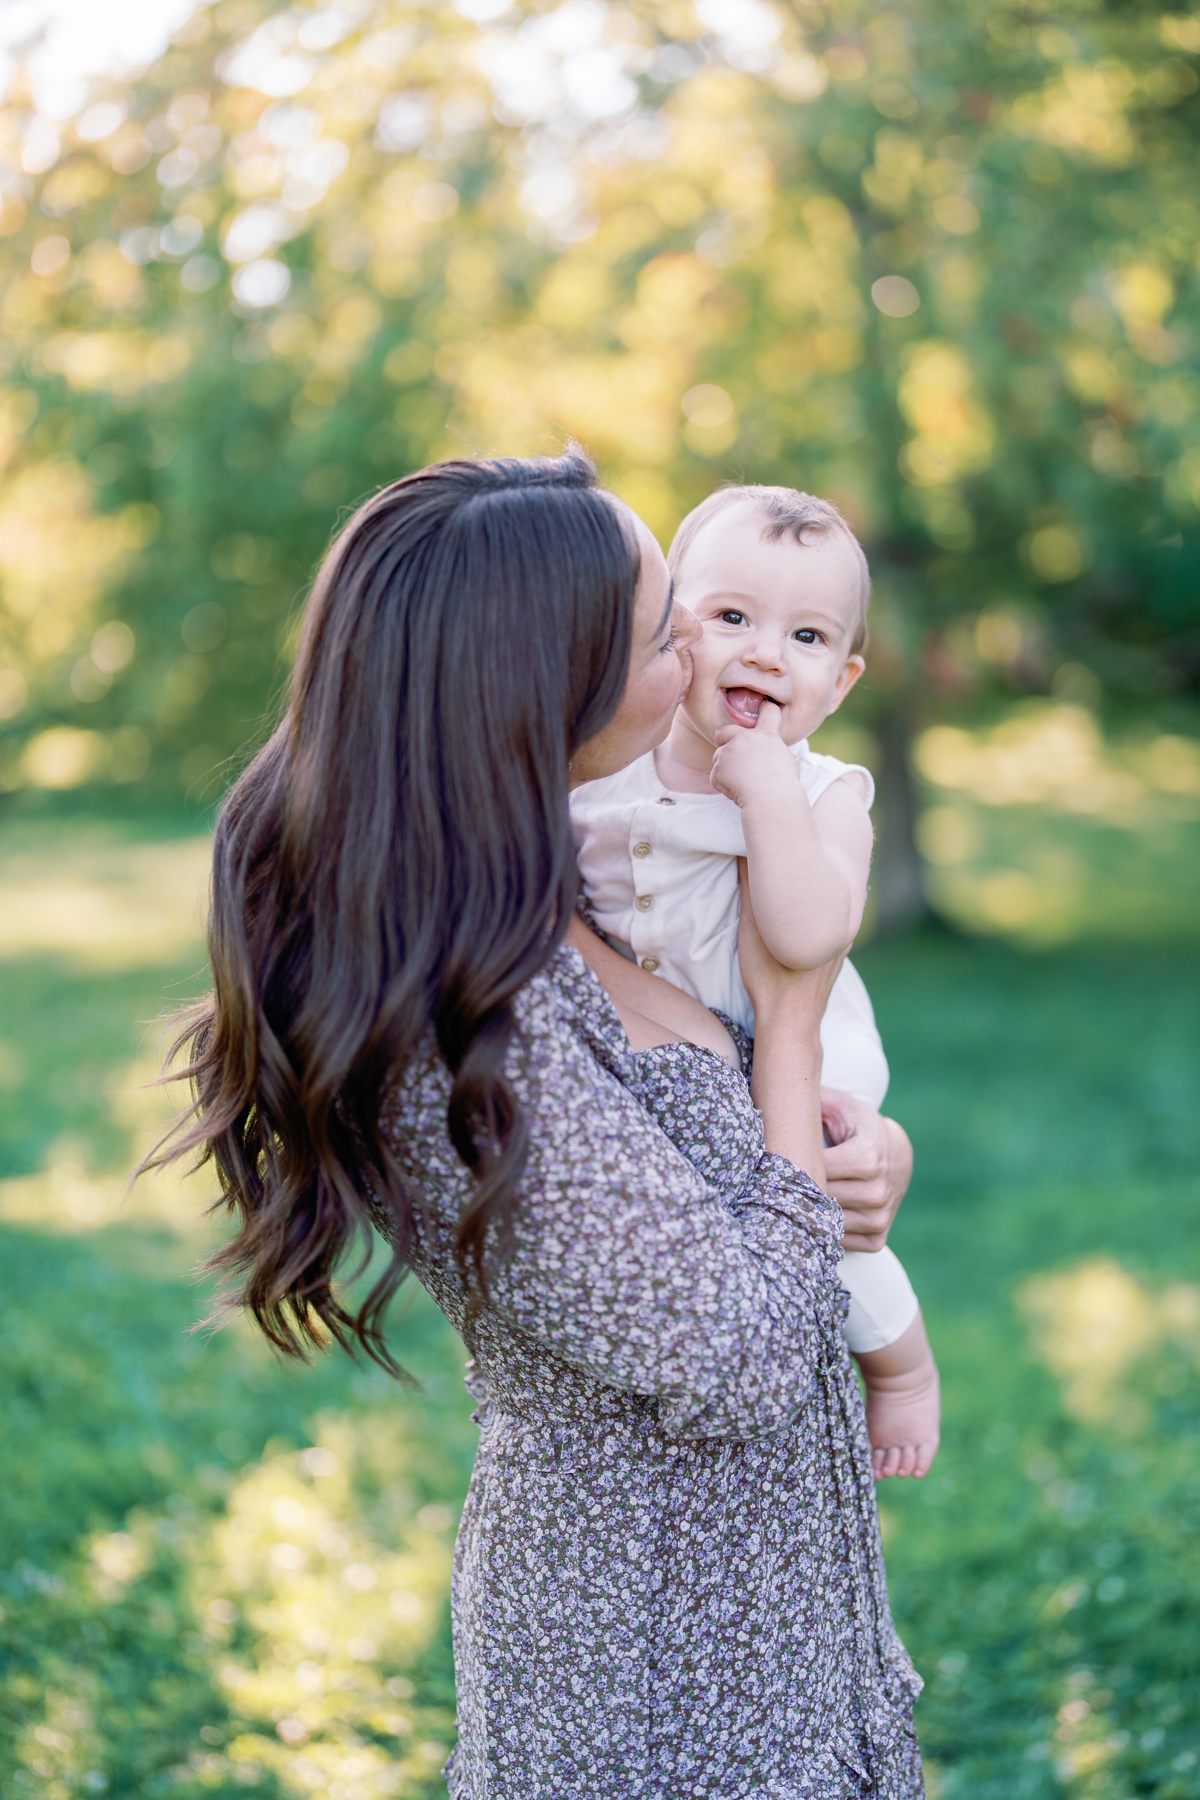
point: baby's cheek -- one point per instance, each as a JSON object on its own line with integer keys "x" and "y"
{"x": 699, "y": 707}
{"x": 707, "y": 663}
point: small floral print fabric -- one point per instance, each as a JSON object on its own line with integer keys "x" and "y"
{"x": 668, "y": 1580}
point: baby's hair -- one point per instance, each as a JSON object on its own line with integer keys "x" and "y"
{"x": 787, "y": 512}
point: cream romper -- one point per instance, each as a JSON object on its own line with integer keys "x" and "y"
{"x": 660, "y": 875}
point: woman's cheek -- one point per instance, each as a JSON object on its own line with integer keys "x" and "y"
{"x": 668, "y": 684}
{"x": 660, "y": 692}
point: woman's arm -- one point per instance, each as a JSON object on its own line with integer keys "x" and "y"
{"x": 620, "y": 1259}
{"x": 624, "y": 1262}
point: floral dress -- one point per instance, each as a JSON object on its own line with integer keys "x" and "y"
{"x": 668, "y": 1580}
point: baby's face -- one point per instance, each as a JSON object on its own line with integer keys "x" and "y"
{"x": 777, "y": 619}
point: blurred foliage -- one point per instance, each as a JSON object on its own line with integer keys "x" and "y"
{"x": 937, "y": 261}
{"x": 1039, "y": 828}
{"x": 219, "y": 1575}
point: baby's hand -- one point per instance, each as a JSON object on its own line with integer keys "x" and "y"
{"x": 751, "y": 765}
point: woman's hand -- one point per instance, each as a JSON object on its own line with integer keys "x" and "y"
{"x": 868, "y": 1166}
{"x": 789, "y": 1005}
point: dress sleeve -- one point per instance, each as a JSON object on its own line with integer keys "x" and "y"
{"x": 625, "y": 1263}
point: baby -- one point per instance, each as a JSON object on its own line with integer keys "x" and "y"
{"x": 780, "y": 585}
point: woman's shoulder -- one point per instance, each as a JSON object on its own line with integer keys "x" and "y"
{"x": 566, "y": 1048}
{"x": 560, "y": 1011}
{"x": 566, "y": 1000}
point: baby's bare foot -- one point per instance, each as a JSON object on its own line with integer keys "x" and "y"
{"x": 904, "y": 1408}
{"x": 903, "y": 1424}
{"x": 903, "y": 1404}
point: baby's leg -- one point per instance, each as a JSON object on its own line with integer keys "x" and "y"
{"x": 903, "y": 1403}
{"x": 886, "y": 1336}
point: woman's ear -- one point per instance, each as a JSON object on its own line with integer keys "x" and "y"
{"x": 855, "y": 666}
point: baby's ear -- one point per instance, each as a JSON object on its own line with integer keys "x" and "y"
{"x": 855, "y": 666}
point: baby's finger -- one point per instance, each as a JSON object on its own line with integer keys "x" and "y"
{"x": 728, "y": 733}
{"x": 770, "y": 718}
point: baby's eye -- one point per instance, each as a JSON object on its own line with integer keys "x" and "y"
{"x": 806, "y": 635}
{"x": 732, "y": 617}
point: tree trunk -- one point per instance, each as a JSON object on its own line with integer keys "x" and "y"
{"x": 897, "y": 880}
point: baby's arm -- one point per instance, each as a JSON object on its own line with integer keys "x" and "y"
{"x": 808, "y": 866}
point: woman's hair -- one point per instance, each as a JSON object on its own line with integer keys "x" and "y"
{"x": 786, "y": 512}
{"x": 397, "y": 857}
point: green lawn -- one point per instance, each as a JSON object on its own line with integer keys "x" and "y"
{"x": 220, "y": 1574}
{"x": 1046, "y": 1576}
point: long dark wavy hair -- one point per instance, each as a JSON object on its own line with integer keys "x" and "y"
{"x": 399, "y": 854}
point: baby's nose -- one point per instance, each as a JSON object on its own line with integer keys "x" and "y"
{"x": 766, "y": 652}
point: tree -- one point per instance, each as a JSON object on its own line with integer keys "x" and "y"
{"x": 937, "y": 263}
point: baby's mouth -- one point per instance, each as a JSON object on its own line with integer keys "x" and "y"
{"x": 743, "y": 704}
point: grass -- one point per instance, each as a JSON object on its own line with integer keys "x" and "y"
{"x": 221, "y": 1575}
{"x": 218, "y": 1573}
{"x": 1046, "y": 1575}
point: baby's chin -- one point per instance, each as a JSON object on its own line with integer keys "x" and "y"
{"x": 704, "y": 714}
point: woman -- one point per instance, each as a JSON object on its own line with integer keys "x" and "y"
{"x": 668, "y": 1580}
